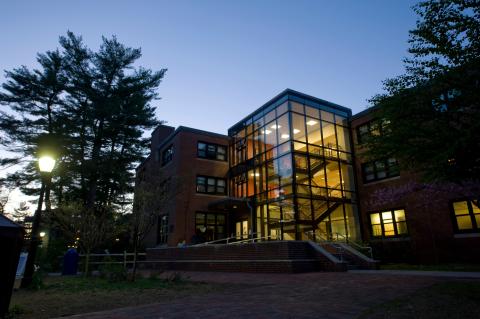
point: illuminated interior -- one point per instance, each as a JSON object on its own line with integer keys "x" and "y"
{"x": 293, "y": 159}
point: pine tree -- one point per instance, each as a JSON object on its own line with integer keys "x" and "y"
{"x": 91, "y": 108}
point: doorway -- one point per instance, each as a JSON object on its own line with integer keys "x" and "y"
{"x": 241, "y": 230}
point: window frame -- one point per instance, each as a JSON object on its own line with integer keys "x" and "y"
{"x": 394, "y": 223}
{"x": 212, "y": 155}
{"x": 216, "y": 224}
{"x": 167, "y": 155}
{"x": 215, "y": 186}
{"x": 388, "y": 169}
{"x": 372, "y": 125}
{"x": 162, "y": 229}
{"x": 475, "y": 226}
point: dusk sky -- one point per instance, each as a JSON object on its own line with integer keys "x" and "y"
{"x": 227, "y": 58}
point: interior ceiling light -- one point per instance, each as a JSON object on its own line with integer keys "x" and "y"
{"x": 285, "y": 136}
{"x": 266, "y": 131}
{"x": 311, "y": 122}
{"x": 295, "y": 131}
{"x": 275, "y": 126}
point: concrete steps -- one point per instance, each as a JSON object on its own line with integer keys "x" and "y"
{"x": 269, "y": 256}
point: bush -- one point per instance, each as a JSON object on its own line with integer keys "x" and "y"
{"x": 37, "y": 281}
{"x": 14, "y": 312}
{"x": 113, "y": 272}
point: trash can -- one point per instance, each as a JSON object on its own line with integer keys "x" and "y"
{"x": 70, "y": 262}
{"x": 11, "y": 241}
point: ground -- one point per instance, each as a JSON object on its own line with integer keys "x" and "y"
{"x": 308, "y": 295}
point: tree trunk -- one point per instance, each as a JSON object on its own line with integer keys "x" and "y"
{"x": 135, "y": 256}
{"x": 87, "y": 261}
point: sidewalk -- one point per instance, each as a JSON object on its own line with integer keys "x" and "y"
{"x": 442, "y": 274}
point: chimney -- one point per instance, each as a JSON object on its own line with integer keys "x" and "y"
{"x": 159, "y": 135}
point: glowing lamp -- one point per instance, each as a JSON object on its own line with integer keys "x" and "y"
{"x": 46, "y": 164}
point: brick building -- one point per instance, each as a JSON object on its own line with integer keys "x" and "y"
{"x": 407, "y": 220}
{"x": 194, "y": 164}
{"x": 293, "y": 170}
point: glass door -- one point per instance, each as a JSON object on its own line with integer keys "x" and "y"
{"x": 241, "y": 230}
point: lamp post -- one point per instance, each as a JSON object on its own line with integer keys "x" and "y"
{"x": 45, "y": 164}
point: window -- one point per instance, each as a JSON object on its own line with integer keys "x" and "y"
{"x": 212, "y": 151}
{"x": 467, "y": 215}
{"x": 381, "y": 169}
{"x": 211, "y": 185}
{"x": 167, "y": 155}
{"x": 162, "y": 229}
{"x": 372, "y": 128}
{"x": 209, "y": 226}
{"x": 389, "y": 223}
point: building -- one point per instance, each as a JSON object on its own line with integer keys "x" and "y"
{"x": 293, "y": 170}
{"x": 193, "y": 166}
{"x": 293, "y": 159}
{"x": 406, "y": 220}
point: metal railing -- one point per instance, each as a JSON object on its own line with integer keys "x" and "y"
{"x": 233, "y": 240}
{"x": 120, "y": 259}
{"x": 323, "y": 237}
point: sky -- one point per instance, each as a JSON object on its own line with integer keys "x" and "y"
{"x": 227, "y": 58}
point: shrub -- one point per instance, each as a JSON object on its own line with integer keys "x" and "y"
{"x": 113, "y": 272}
{"x": 14, "y": 312}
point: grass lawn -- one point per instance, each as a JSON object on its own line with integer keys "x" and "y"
{"x": 436, "y": 267}
{"x": 62, "y": 296}
{"x": 449, "y": 300}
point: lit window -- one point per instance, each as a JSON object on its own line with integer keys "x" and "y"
{"x": 389, "y": 223}
{"x": 467, "y": 215}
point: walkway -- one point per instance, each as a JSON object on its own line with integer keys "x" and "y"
{"x": 307, "y": 295}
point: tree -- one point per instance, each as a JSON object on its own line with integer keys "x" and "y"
{"x": 85, "y": 228}
{"x": 21, "y": 212}
{"x": 91, "y": 108}
{"x": 431, "y": 114}
{"x": 4, "y": 197}
{"x": 153, "y": 196}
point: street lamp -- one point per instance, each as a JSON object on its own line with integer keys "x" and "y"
{"x": 46, "y": 163}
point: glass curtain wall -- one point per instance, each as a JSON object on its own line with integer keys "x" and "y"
{"x": 294, "y": 160}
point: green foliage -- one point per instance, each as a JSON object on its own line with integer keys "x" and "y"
{"x": 14, "y": 312}
{"x": 37, "y": 280}
{"x": 79, "y": 284}
{"x": 433, "y": 110}
{"x": 89, "y": 108}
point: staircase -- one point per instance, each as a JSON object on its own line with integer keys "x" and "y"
{"x": 353, "y": 258}
{"x": 267, "y": 256}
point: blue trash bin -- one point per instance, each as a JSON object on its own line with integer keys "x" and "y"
{"x": 70, "y": 262}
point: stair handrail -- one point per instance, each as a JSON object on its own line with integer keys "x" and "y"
{"x": 229, "y": 240}
{"x": 249, "y": 239}
{"x": 356, "y": 245}
{"x": 344, "y": 238}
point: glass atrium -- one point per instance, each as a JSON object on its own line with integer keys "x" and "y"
{"x": 293, "y": 159}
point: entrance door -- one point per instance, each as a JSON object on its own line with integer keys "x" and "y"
{"x": 241, "y": 229}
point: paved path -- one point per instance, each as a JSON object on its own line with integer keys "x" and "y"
{"x": 423, "y": 273}
{"x": 308, "y": 295}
